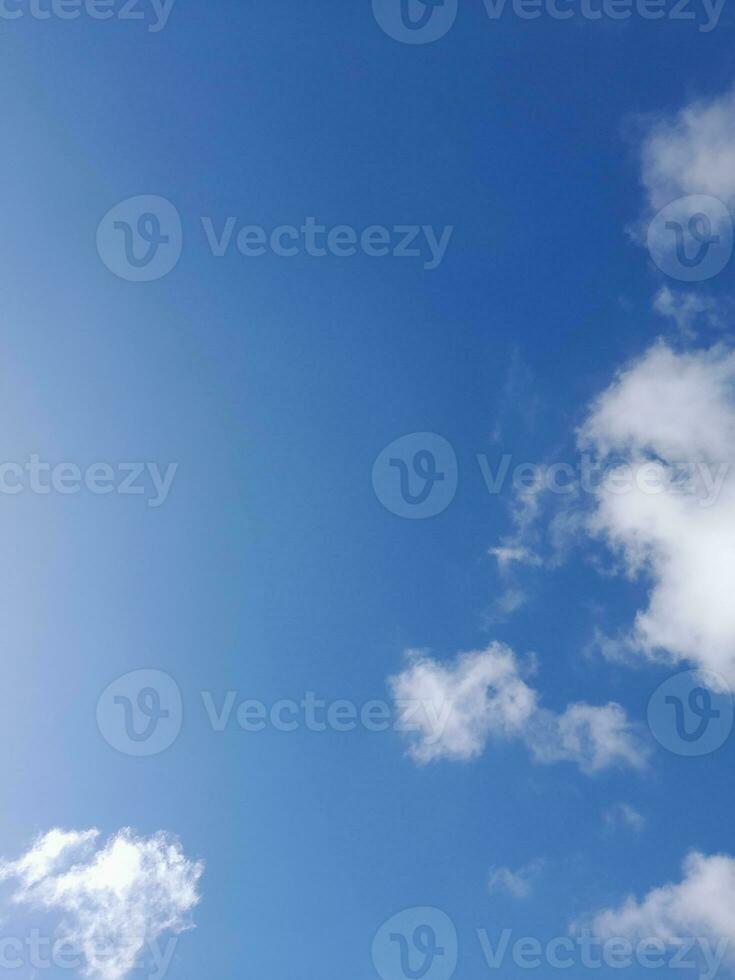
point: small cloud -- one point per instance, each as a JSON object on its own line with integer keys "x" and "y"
{"x": 518, "y": 401}
{"x": 623, "y": 815}
{"x": 508, "y": 554}
{"x": 518, "y": 884}
{"x": 505, "y": 605}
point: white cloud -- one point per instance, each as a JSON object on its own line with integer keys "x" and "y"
{"x": 518, "y": 884}
{"x": 692, "y": 152}
{"x": 504, "y": 605}
{"x": 595, "y": 737}
{"x": 688, "y": 310}
{"x": 457, "y": 708}
{"x": 452, "y": 711}
{"x": 701, "y": 906}
{"x": 513, "y": 597}
{"x": 624, "y": 815}
{"x": 671, "y": 414}
{"x": 688, "y": 172}
{"x": 113, "y": 897}
{"x": 508, "y": 554}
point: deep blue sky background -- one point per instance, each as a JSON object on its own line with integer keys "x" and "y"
{"x": 272, "y": 569}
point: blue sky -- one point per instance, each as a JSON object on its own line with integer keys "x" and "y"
{"x": 273, "y": 383}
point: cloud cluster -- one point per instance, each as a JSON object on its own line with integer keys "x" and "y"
{"x": 113, "y": 897}
{"x": 688, "y": 173}
{"x": 666, "y": 411}
{"x": 692, "y": 152}
{"x": 482, "y": 697}
{"x": 701, "y": 905}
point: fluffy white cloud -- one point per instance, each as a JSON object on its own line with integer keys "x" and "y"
{"x": 692, "y": 152}
{"x": 518, "y": 884}
{"x": 113, "y": 897}
{"x": 594, "y": 736}
{"x": 688, "y": 172}
{"x": 452, "y": 711}
{"x": 670, "y": 418}
{"x": 701, "y": 905}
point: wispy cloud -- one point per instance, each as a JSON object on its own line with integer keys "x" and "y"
{"x": 623, "y": 815}
{"x": 689, "y": 311}
{"x": 518, "y": 883}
